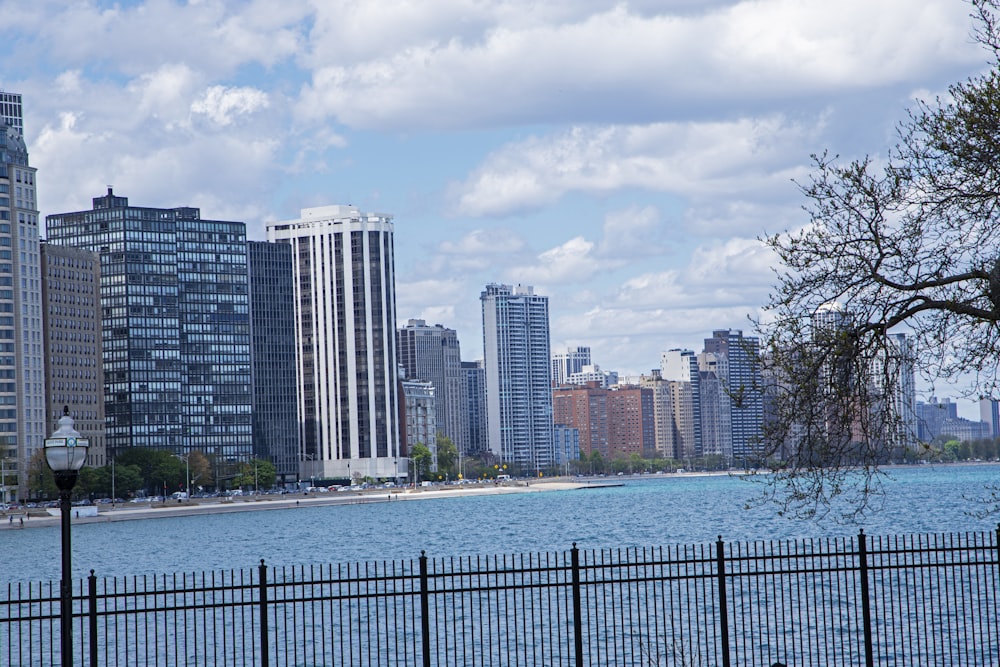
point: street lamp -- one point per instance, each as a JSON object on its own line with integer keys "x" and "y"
{"x": 65, "y": 453}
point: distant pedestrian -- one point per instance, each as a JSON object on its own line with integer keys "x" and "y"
{"x": 22, "y": 522}
{"x": 12, "y": 519}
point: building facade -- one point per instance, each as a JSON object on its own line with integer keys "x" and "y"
{"x": 584, "y": 409}
{"x": 432, "y": 353}
{"x": 74, "y": 376}
{"x": 175, "y": 325}
{"x": 737, "y": 368}
{"x": 475, "y": 396}
{"x": 680, "y": 369}
{"x": 421, "y": 416}
{"x": 518, "y": 375}
{"x": 345, "y": 323}
{"x": 565, "y": 364}
{"x": 22, "y": 367}
{"x": 272, "y": 357}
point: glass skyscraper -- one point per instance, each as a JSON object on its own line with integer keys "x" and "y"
{"x": 272, "y": 326}
{"x": 176, "y": 325}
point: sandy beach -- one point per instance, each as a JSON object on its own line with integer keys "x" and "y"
{"x": 132, "y": 511}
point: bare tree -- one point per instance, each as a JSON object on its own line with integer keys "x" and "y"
{"x": 909, "y": 243}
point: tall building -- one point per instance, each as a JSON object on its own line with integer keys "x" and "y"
{"x": 74, "y": 377}
{"x": 569, "y": 362}
{"x": 631, "y": 423}
{"x": 518, "y": 375}
{"x": 680, "y": 369}
{"x": 663, "y": 413}
{"x": 902, "y": 394}
{"x": 738, "y": 369}
{"x": 475, "y": 396}
{"x": 716, "y": 405}
{"x": 432, "y": 353}
{"x": 421, "y": 416}
{"x": 22, "y": 370}
{"x": 175, "y": 324}
{"x": 272, "y": 357}
{"x": 989, "y": 414}
{"x": 345, "y": 321}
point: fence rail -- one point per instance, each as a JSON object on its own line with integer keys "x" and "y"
{"x": 897, "y": 600}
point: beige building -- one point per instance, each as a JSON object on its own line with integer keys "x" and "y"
{"x": 72, "y": 333}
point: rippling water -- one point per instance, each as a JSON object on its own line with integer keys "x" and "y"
{"x": 643, "y": 512}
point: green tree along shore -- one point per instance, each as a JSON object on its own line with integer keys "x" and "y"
{"x": 139, "y": 471}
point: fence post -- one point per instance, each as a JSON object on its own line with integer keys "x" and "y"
{"x": 92, "y": 615}
{"x": 265, "y": 646}
{"x": 866, "y": 610}
{"x": 425, "y": 610}
{"x": 574, "y": 559}
{"x": 720, "y": 567}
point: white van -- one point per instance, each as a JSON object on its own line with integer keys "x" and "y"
{"x": 179, "y": 495}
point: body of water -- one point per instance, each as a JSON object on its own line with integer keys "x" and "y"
{"x": 641, "y": 512}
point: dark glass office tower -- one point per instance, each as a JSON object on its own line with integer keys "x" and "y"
{"x": 272, "y": 327}
{"x": 176, "y": 325}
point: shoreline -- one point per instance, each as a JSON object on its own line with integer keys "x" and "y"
{"x": 41, "y": 518}
{"x": 138, "y": 511}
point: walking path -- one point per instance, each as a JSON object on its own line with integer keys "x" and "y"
{"x": 132, "y": 511}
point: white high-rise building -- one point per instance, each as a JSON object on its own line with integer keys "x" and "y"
{"x": 345, "y": 323}
{"x": 518, "y": 375}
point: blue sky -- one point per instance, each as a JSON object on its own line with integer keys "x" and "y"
{"x": 622, "y": 157}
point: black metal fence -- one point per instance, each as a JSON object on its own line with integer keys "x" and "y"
{"x": 907, "y": 600}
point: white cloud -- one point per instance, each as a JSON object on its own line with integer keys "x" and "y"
{"x": 632, "y": 232}
{"x": 480, "y": 242}
{"x": 221, "y": 104}
{"x": 572, "y": 262}
{"x": 435, "y": 69}
{"x": 748, "y": 156}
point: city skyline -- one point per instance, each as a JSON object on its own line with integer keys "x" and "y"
{"x": 621, "y": 157}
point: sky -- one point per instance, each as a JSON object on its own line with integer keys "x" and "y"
{"x": 623, "y": 158}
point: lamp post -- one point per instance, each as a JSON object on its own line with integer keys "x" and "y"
{"x": 65, "y": 453}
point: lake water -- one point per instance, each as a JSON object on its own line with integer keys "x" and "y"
{"x": 642, "y": 512}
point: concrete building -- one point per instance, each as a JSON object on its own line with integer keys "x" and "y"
{"x": 716, "y": 405}
{"x": 432, "y": 353}
{"x": 680, "y": 369}
{"x": 989, "y": 414}
{"x": 74, "y": 376}
{"x": 565, "y": 364}
{"x": 592, "y": 375}
{"x": 23, "y": 423}
{"x": 345, "y": 322}
{"x": 176, "y": 325}
{"x": 663, "y": 413}
{"x": 903, "y": 393}
{"x": 631, "y": 428}
{"x": 272, "y": 357}
{"x": 421, "y": 416}
{"x": 518, "y": 375}
{"x": 584, "y": 408}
